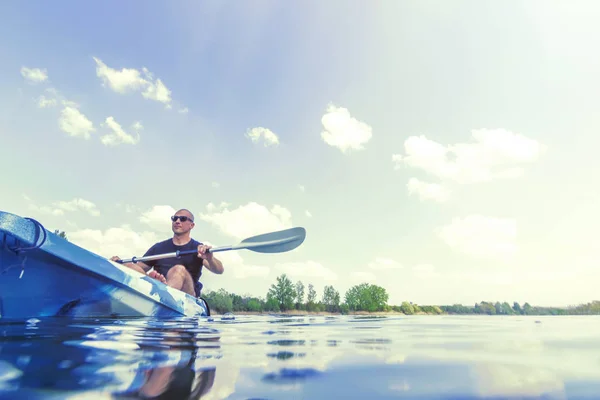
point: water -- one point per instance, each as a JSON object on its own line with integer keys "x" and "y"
{"x": 308, "y": 357}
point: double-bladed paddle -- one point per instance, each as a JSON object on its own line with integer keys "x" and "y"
{"x": 273, "y": 242}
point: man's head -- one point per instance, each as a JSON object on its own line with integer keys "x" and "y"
{"x": 182, "y": 222}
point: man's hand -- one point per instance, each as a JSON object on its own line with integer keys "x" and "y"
{"x": 211, "y": 263}
{"x": 204, "y": 253}
{"x": 139, "y": 266}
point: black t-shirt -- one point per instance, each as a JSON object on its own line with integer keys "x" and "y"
{"x": 190, "y": 261}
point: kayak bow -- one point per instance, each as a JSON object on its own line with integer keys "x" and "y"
{"x": 42, "y": 274}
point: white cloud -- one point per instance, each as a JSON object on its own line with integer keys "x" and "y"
{"x": 247, "y": 220}
{"x": 184, "y": 110}
{"x": 306, "y": 270}
{"x": 43, "y": 210}
{"x": 481, "y": 236}
{"x": 44, "y": 102}
{"x": 302, "y": 188}
{"x": 158, "y": 217}
{"x": 343, "y": 131}
{"x": 76, "y": 124}
{"x": 54, "y": 98}
{"x": 122, "y": 241}
{"x": 425, "y": 271}
{"x": 118, "y": 135}
{"x": 131, "y": 79}
{"x": 34, "y": 75}
{"x": 123, "y": 81}
{"x": 59, "y": 208}
{"x": 157, "y": 91}
{"x": 428, "y": 191}
{"x": 237, "y": 268}
{"x": 211, "y": 207}
{"x": 78, "y": 204}
{"x": 308, "y": 214}
{"x": 381, "y": 263}
{"x": 495, "y": 154}
{"x": 128, "y": 208}
{"x": 269, "y": 138}
{"x": 363, "y": 276}
{"x": 71, "y": 120}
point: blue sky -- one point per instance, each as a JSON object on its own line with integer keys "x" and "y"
{"x": 462, "y": 165}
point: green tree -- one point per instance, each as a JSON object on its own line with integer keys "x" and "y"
{"x": 238, "y": 302}
{"x": 254, "y": 305}
{"x": 220, "y": 301}
{"x": 312, "y": 297}
{"x": 352, "y": 297}
{"x": 457, "y": 309}
{"x": 517, "y": 308}
{"x": 431, "y": 310}
{"x": 366, "y": 297}
{"x": 283, "y": 291}
{"x": 485, "y": 308}
{"x": 299, "y": 295}
{"x": 506, "y": 310}
{"x": 331, "y": 299}
{"x": 312, "y": 293}
{"x": 592, "y": 308}
{"x": 61, "y": 234}
{"x": 272, "y": 304}
{"x": 498, "y": 308}
{"x": 407, "y": 308}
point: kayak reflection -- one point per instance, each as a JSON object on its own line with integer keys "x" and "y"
{"x": 174, "y": 383}
{"x": 128, "y": 359}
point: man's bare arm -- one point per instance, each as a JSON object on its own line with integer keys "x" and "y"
{"x": 137, "y": 266}
{"x": 214, "y": 265}
{"x": 209, "y": 261}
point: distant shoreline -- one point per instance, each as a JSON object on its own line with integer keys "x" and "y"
{"x": 287, "y": 298}
{"x": 300, "y": 313}
{"x": 317, "y": 313}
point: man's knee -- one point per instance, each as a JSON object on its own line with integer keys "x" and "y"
{"x": 178, "y": 270}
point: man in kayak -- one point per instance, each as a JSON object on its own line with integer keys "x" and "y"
{"x": 181, "y": 273}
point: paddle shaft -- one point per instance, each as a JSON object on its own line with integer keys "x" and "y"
{"x": 175, "y": 254}
{"x": 275, "y": 242}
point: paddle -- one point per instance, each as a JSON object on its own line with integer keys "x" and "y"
{"x": 273, "y": 242}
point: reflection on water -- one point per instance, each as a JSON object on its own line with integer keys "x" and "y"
{"x": 275, "y": 357}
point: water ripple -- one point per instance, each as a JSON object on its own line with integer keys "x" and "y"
{"x": 280, "y": 357}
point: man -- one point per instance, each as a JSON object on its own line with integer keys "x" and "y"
{"x": 180, "y": 273}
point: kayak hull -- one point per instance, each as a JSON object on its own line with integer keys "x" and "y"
{"x": 44, "y": 275}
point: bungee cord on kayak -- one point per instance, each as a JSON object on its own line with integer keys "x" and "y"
{"x": 40, "y": 230}
{"x": 19, "y": 250}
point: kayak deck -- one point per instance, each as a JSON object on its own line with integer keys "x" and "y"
{"x": 42, "y": 274}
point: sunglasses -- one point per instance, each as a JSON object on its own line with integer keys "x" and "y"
{"x": 182, "y": 218}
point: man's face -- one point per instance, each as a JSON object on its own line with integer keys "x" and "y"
{"x": 181, "y": 222}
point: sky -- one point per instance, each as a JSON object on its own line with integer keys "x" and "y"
{"x": 444, "y": 151}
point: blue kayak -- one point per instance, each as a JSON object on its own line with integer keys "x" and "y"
{"x": 44, "y": 275}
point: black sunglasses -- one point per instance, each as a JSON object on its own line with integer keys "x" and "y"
{"x": 182, "y": 218}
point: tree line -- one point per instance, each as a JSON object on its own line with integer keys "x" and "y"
{"x": 284, "y": 295}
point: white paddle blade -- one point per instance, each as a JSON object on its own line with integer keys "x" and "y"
{"x": 276, "y": 242}
{"x": 273, "y": 242}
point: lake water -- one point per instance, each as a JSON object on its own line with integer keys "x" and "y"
{"x": 303, "y": 357}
